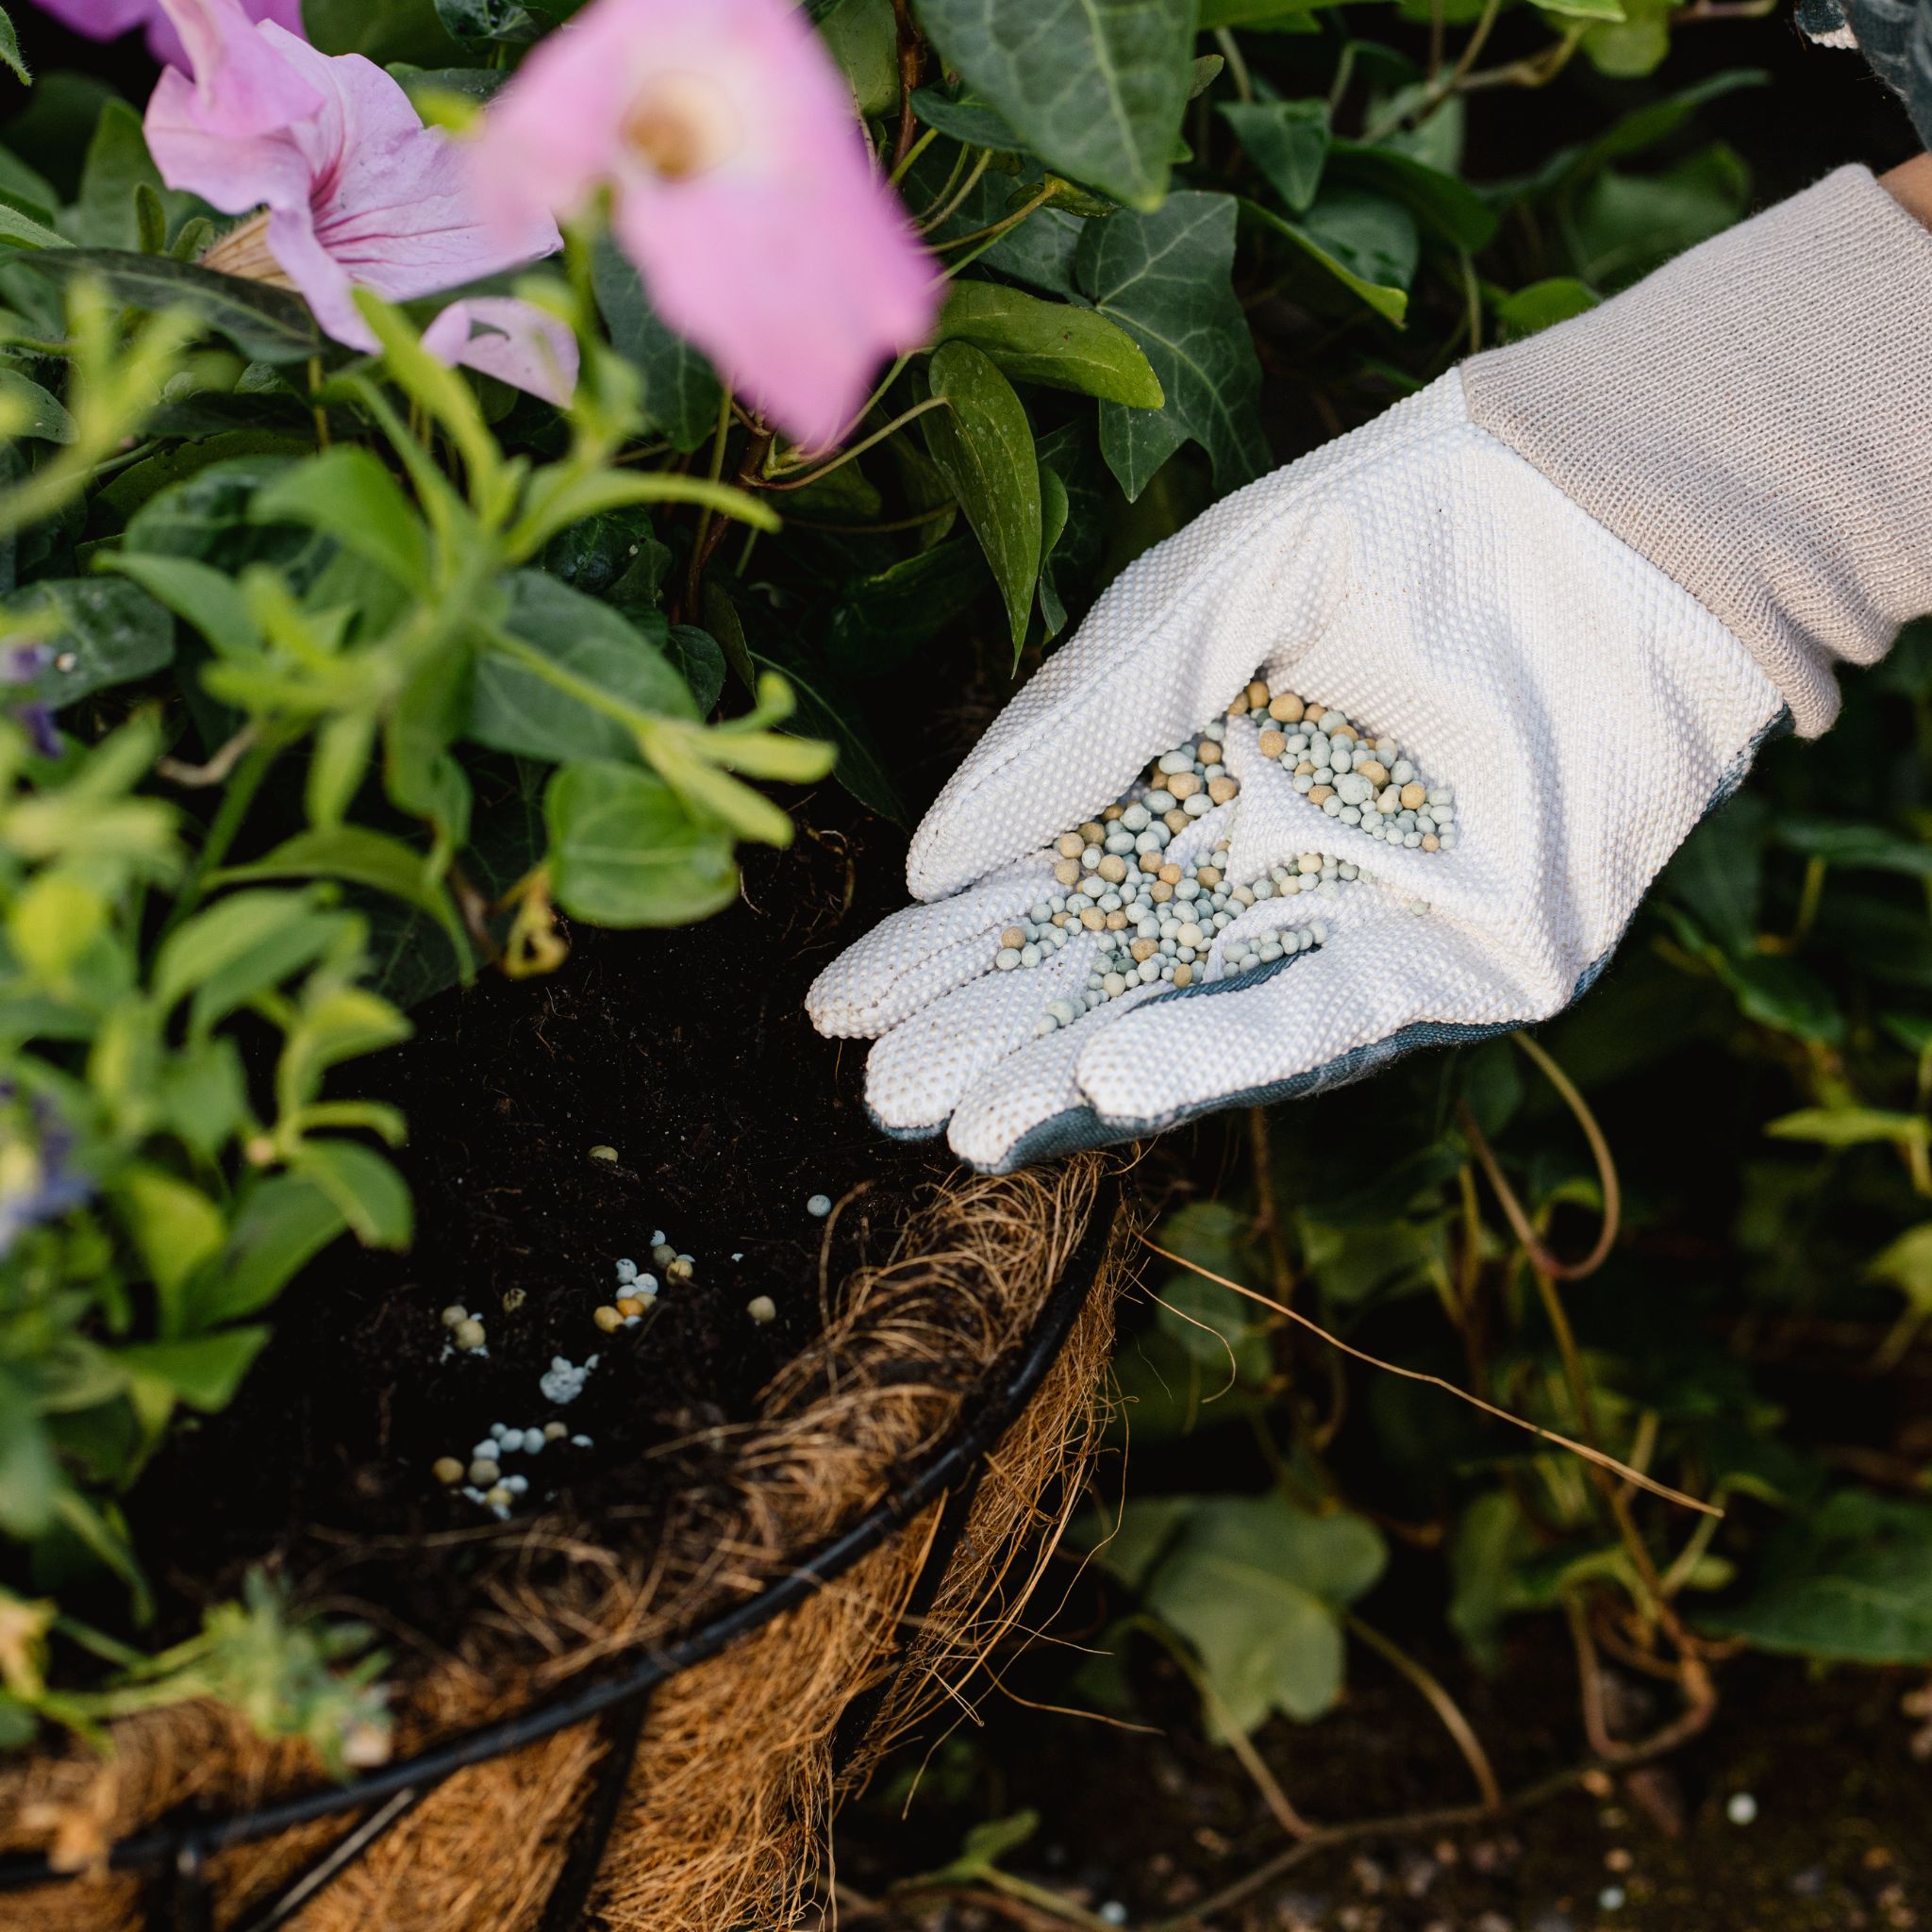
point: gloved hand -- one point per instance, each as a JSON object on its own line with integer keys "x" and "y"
{"x": 1475, "y": 575}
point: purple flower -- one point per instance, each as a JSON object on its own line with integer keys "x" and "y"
{"x": 352, "y": 189}
{"x": 37, "y": 1183}
{"x": 23, "y": 664}
{"x": 106, "y": 20}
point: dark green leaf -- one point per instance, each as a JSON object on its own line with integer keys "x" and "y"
{"x": 28, "y": 1474}
{"x": 28, "y": 410}
{"x": 364, "y": 1187}
{"x": 284, "y": 1223}
{"x": 117, "y": 165}
{"x": 624, "y": 852}
{"x": 1287, "y": 140}
{"x": 681, "y": 396}
{"x": 1095, "y": 87}
{"x": 984, "y": 445}
{"x": 1387, "y": 301}
{"x": 699, "y": 659}
{"x": 347, "y": 494}
{"x": 1849, "y": 1582}
{"x": 203, "y": 1373}
{"x": 883, "y": 619}
{"x": 965, "y": 118}
{"x": 266, "y": 323}
{"x": 479, "y": 23}
{"x": 1164, "y": 278}
{"x": 1444, "y": 205}
{"x": 10, "y": 50}
{"x": 862, "y": 37}
{"x": 100, "y": 630}
{"x": 512, "y": 709}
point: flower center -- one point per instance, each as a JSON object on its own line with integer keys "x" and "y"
{"x": 244, "y": 251}
{"x": 681, "y": 125}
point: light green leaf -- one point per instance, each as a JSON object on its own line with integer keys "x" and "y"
{"x": 1543, "y": 305}
{"x": 1256, "y": 1587}
{"x": 1585, "y": 9}
{"x": 284, "y": 1223}
{"x": 1095, "y": 87}
{"x": 1054, "y": 344}
{"x": 1164, "y": 278}
{"x": 984, "y": 446}
{"x": 21, "y": 230}
{"x": 1851, "y": 1126}
{"x": 207, "y": 599}
{"x": 624, "y": 852}
{"x": 347, "y": 494}
{"x": 363, "y": 858}
{"x": 1907, "y": 1263}
{"x": 175, "y": 1226}
{"x": 203, "y": 1373}
{"x": 862, "y": 38}
{"x": 1287, "y": 140}
{"x": 29, "y": 1477}
{"x": 364, "y": 1187}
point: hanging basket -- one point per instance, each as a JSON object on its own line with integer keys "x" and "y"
{"x": 663, "y": 1738}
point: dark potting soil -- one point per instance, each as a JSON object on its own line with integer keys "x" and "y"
{"x": 689, "y": 1052}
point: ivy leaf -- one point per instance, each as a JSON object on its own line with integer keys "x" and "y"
{"x": 1164, "y": 278}
{"x": 1054, "y": 344}
{"x": 1256, "y": 1587}
{"x": 626, "y": 852}
{"x": 1443, "y": 204}
{"x": 1287, "y": 140}
{"x": 479, "y": 22}
{"x": 1850, "y": 1581}
{"x": 267, "y": 325}
{"x": 965, "y": 118}
{"x": 1543, "y": 305}
{"x": 1095, "y": 87}
{"x": 100, "y": 630}
{"x": 983, "y": 444}
{"x": 681, "y": 394}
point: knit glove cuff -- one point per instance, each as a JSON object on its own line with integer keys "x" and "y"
{"x": 1756, "y": 420}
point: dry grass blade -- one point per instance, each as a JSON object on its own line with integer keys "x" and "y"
{"x": 1374, "y": 1361}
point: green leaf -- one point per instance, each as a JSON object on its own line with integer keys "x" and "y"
{"x": 28, "y": 410}
{"x": 22, "y": 231}
{"x": 965, "y": 118}
{"x": 1095, "y": 87}
{"x": 1585, "y": 9}
{"x": 347, "y": 494}
{"x": 1543, "y": 305}
{"x": 1856, "y": 846}
{"x": 1050, "y": 342}
{"x": 284, "y": 1223}
{"x": 1849, "y": 1582}
{"x": 362, "y": 857}
{"x": 1386, "y": 300}
{"x": 175, "y": 1226}
{"x": 626, "y": 852}
{"x": 210, "y": 600}
{"x": 862, "y": 38}
{"x": 1260, "y": 13}
{"x": 203, "y": 1373}
{"x": 210, "y": 941}
{"x": 364, "y": 1187}
{"x": 983, "y": 444}
{"x": 10, "y": 50}
{"x": 1055, "y": 508}
{"x": 117, "y": 166}
{"x": 1906, "y": 1264}
{"x": 1256, "y": 1587}
{"x": 699, "y": 659}
{"x": 479, "y": 22}
{"x": 100, "y": 631}
{"x": 29, "y": 1477}
{"x": 1446, "y": 205}
{"x": 513, "y": 708}
{"x": 1287, "y": 140}
{"x": 1851, "y": 1126}
{"x": 266, "y": 323}
{"x": 681, "y": 394}
{"x": 823, "y": 713}
{"x": 1164, "y": 278}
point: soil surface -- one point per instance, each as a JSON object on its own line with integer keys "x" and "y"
{"x": 688, "y": 1054}
{"x": 1804, "y": 1808}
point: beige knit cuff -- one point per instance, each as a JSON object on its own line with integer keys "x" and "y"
{"x": 1756, "y": 419}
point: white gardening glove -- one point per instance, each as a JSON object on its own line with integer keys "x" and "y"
{"x": 1425, "y": 579}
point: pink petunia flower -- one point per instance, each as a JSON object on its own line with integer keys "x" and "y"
{"x": 108, "y": 19}
{"x": 352, "y": 191}
{"x": 742, "y": 188}
{"x": 515, "y": 342}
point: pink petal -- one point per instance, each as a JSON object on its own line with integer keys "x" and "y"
{"x": 515, "y": 342}
{"x": 243, "y": 86}
{"x": 783, "y": 256}
{"x": 359, "y": 192}
{"x": 105, "y": 20}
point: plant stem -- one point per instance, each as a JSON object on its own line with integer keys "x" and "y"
{"x": 988, "y": 236}
{"x": 951, "y": 206}
{"x": 1237, "y": 67}
{"x": 859, "y": 448}
{"x": 1445, "y": 1707}
{"x": 221, "y": 833}
{"x": 1421, "y": 112}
